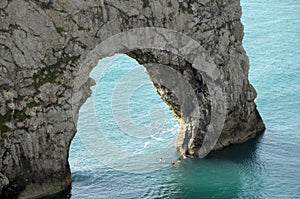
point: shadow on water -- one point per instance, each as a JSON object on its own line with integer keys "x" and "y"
{"x": 239, "y": 152}
{"x": 229, "y": 173}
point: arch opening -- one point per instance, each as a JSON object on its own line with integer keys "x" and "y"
{"x": 127, "y": 81}
{"x": 129, "y": 113}
{"x": 165, "y": 72}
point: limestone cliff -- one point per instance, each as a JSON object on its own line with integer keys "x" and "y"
{"x": 45, "y": 60}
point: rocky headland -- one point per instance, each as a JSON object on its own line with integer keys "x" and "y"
{"x": 48, "y": 48}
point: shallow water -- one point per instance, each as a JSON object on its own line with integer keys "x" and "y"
{"x": 267, "y": 167}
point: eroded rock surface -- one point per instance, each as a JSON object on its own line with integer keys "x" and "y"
{"x": 43, "y": 45}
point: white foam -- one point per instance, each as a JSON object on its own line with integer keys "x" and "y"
{"x": 146, "y": 144}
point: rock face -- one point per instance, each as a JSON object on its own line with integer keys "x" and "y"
{"x": 47, "y": 50}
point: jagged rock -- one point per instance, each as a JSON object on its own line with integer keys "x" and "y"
{"x": 48, "y": 48}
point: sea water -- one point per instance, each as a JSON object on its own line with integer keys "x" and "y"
{"x": 266, "y": 167}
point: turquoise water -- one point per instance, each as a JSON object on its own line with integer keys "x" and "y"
{"x": 267, "y": 167}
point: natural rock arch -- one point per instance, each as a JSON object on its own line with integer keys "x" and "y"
{"x": 44, "y": 48}
{"x": 178, "y": 84}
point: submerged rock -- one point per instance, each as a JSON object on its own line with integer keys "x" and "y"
{"x": 48, "y": 48}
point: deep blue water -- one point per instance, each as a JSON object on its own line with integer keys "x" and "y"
{"x": 267, "y": 167}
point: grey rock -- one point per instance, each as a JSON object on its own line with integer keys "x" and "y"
{"x": 48, "y": 48}
{"x": 3, "y": 181}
